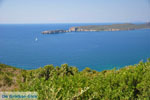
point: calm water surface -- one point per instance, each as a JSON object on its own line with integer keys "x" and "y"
{"x": 97, "y": 50}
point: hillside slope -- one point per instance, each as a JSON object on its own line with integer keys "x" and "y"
{"x": 67, "y": 83}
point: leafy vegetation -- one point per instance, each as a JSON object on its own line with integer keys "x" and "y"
{"x": 9, "y": 77}
{"x": 67, "y": 83}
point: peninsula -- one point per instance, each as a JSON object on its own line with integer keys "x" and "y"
{"x": 97, "y": 28}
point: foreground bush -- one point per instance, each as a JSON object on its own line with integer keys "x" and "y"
{"x": 67, "y": 83}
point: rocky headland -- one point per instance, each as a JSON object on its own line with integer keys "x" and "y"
{"x": 96, "y": 28}
{"x": 54, "y": 31}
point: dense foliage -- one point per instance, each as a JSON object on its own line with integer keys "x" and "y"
{"x": 67, "y": 83}
{"x": 9, "y": 77}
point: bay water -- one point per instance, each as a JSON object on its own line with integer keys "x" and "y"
{"x": 23, "y": 46}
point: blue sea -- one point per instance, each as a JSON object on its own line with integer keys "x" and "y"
{"x": 23, "y": 46}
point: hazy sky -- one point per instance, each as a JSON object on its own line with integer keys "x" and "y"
{"x": 74, "y": 11}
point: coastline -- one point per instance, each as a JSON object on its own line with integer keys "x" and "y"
{"x": 98, "y": 28}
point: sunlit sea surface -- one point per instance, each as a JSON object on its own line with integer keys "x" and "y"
{"x": 23, "y": 46}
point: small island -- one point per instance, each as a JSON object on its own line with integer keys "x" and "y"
{"x": 97, "y": 28}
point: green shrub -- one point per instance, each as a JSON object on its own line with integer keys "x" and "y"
{"x": 67, "y": 83}
{"x": 7, "y": 80}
